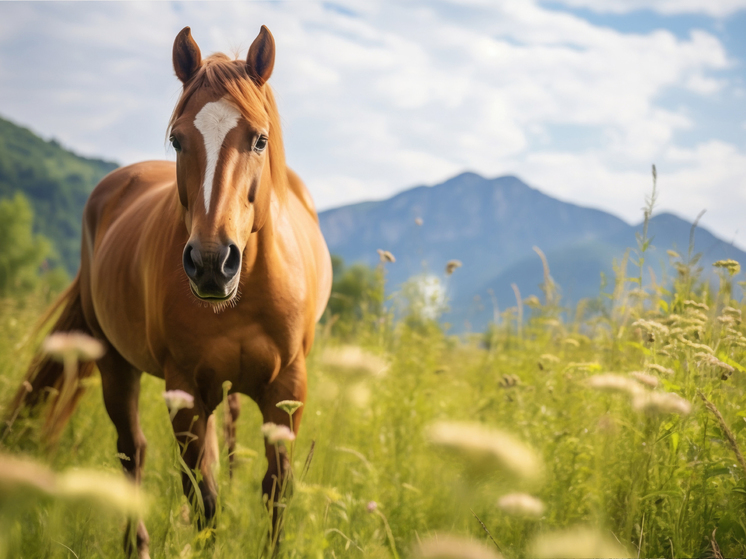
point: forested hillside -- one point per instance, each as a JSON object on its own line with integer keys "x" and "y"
{"x": 56, "y": 182}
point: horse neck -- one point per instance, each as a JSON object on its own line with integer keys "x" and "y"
{"x": 262, "y": 244}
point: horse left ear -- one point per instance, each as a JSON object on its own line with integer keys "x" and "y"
{"x": 261, "y": 58}
{"x": 186, "y": 55}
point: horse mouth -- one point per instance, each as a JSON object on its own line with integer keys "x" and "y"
{"x": 215, "y": 300}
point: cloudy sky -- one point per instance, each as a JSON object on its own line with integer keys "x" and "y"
{"x": 576, "y": 97}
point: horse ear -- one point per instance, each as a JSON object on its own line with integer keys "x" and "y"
{"x": 187, "y": 57}
{"x": 261, "y": 58}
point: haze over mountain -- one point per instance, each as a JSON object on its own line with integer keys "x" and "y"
{"x": 491, "y": 226}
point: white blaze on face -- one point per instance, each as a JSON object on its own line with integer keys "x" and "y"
{"x": 214, "y": 122}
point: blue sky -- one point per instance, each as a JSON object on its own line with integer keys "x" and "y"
{"x": 576, "y": 97}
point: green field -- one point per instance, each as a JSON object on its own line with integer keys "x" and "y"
{"x": 617, "y": 464}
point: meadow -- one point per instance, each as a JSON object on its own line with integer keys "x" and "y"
{"x": 612, "y": 428}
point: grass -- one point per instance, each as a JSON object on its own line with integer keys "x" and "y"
{"x": 619, "y": 469}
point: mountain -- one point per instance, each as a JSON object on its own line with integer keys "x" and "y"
{"x": 56, "y": 182}
{"x": 491, "y": 226}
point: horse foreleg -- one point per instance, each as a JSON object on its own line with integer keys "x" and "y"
{"x": 290, "y": 384}
{"x": 194, "y": 429}
{"x": 121, "y": 387}
{"x": 232, "y": 411}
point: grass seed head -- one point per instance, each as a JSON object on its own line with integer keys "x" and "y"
{"x": 353, "y": 359}
{"x": 673, "y": 254}
{"x": 446, "y": 546}
{"x": 609, "y": 382}
{"x": 385, "y": 256}
{"x": 486, "y": 450}
{"x": 735, "y": 313}
{"x": 77, "y": 345}
{"x": 696, "y": 305}
{"x": 521, "y": 504}
{"x": 576, "y": 543}
{"x": 110, "y": 490}
{"x": 658, "y": 403}
{"x": 647, "y": 380}
{"x": 20, "y": 475}
{"x": 451, "y": 266}
{"x": 660, "y": 368}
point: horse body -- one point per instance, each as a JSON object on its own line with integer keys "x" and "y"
{"x": 139, "y": 300}
{"x": 208, "y": 270}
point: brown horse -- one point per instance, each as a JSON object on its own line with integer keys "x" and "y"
{"x": 209, "y": 270}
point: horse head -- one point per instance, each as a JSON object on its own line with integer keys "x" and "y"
{"x": 226, "y": 134}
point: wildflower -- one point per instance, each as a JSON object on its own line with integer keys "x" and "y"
{"x": 353, "y": 358}
{"x": 661, "y": 402}
{"x": 576, "y": 542}
{"x": 289, "y": 406}
{"x": 177, "y": 400}
{"x": 74, "y": 345}
{"x": 609, "y": 382}
{"x": 731, "y": 266}
{"x": 642, "y": 378}
{"x": 660, "y": 368}
{"x": 726, "y": 320}
{"x": 452, "y": 266}
{"x": 673, "y": 254}
{"x": 445, "y": 546}
{"x": 485, "y": 450}
{"x": 275, "y": 433}
{"x": 521, "y": 504}
{"x": 418, "y": 221}
{"x": 372, "y": 506}
{"x": 385, "y": 256}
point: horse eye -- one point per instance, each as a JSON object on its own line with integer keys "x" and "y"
{"x": 175, "y": 143}
{"x": 260, "y": 144}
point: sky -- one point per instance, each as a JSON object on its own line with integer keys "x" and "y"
{"x": 576, "y": 97}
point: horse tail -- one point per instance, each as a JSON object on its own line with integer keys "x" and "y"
{"x": 45, "y": 377}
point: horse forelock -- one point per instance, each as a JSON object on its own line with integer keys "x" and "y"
{"x": 229, "y": 78}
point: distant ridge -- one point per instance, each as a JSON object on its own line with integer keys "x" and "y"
{"x": 56, "y": 182}
{"x": 492, "y": 225}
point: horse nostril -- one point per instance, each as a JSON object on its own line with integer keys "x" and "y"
{"x": 232, "y": 262}
{"x": 191, "y": 259}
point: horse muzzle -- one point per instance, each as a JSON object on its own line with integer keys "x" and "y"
{"x": 213, "y": 273}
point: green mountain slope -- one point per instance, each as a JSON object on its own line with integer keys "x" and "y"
{"x": 56, "y": 182}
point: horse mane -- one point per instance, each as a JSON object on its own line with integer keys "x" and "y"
{"x": 229, "y": 77}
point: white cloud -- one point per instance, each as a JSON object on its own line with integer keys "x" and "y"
{"x": 396, "y": 95}
{"x": 714, "y": 8}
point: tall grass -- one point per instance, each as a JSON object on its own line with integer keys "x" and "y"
{"x": 646, "y": 463}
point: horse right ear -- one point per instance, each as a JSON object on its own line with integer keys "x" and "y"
{"x": 187, "y": 57}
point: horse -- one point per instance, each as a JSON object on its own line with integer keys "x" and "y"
{"x": 202, "y": 271}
